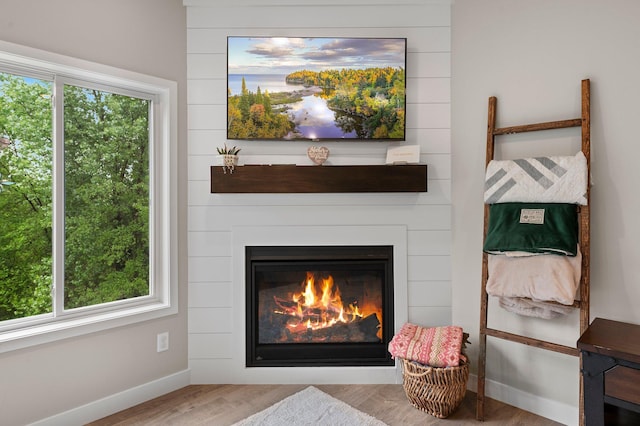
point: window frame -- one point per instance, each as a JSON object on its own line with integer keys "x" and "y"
{"x": 163, "y": 290}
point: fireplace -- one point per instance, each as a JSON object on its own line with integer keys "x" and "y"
{"x": 319, "y": 305}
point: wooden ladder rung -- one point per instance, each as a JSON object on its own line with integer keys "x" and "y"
{"x": 549, "y": 125}
{"x": 530, "y": 341}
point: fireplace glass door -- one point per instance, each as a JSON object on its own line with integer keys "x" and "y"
{"x": 319, "y": 305}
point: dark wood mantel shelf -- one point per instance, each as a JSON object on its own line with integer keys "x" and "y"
{"x": 309, "y": 179}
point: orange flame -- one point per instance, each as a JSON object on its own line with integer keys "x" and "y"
{"x": 323, "y": 308}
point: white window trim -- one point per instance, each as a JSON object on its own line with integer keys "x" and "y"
{"x": 163, "y": 300}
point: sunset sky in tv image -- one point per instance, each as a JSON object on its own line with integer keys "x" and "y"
{"x": 283, "y": 55}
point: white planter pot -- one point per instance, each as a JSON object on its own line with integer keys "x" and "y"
{"x": 229, "y": 162}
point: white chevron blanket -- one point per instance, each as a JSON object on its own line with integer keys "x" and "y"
{"x": 560, "y": 179}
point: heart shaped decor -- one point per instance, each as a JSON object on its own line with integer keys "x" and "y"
{"x": 318, "y": 154}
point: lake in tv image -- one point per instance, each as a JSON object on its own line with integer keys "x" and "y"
{"x": 284, "y": 88}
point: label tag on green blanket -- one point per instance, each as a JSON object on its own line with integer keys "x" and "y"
{"x": 532, "y": 216}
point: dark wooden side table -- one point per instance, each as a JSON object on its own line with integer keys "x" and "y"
{"x": 610, "y": 367}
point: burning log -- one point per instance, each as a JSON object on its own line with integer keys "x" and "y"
{"x": 369, "y": 326}
{"x": 361, "y": 330}
{"x": 287, "y": 306}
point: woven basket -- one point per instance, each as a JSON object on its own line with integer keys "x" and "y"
{"x": 437, "y": 391}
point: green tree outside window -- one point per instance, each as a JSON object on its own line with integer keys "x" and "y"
{"x": 106, "y": 197}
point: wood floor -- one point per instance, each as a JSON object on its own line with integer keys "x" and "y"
{"x": 222, "y": 405}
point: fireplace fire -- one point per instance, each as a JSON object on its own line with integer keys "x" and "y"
{"x": 318, "y": 314}
{"x": 327, "y": 305}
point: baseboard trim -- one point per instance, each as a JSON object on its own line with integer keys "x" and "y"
{"x": 554, "y": 410}
{"x": 117, "y": 402}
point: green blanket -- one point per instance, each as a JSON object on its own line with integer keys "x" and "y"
{"x": 533, "y": 228}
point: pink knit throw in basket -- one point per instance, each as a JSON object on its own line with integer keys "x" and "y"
{"x": 434, "y": 346}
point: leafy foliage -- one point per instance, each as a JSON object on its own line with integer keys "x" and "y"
{"x": 228, "y": 151}
{"x": 250, "y": 115}
{"x": 375, "y": 95}
{"x": 25, "y": 207}
{"x": 106, "y": 197}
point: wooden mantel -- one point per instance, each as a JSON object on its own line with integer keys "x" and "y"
{"x": 315, "y": 179}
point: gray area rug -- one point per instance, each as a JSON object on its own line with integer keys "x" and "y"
{"x": 310, "y": 406}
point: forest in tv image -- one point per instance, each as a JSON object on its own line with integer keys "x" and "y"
{"x": 316, "y": 89}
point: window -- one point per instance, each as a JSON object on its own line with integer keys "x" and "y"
{"x": 106, "y": 197}
{"x": 87, "y": 198}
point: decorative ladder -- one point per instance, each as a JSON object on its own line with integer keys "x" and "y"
{"x": 584, "y": 241}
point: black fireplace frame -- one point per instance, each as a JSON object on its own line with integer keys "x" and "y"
{"x": 330, "y": 354}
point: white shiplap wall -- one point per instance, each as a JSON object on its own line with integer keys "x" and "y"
{"x": 215, "y": 221}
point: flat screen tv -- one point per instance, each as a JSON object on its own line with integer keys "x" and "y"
{"x": 316, "y": 88}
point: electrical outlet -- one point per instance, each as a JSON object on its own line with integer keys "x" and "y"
{"x": 163, "y": 341}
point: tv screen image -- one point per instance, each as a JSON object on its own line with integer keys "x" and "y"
{"x": 320, "y": 88}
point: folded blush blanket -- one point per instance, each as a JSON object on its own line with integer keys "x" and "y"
{"x": 433, "y": 346}
{"x": 561, "y": 179}
{"x": 532, "y": 308}
{"x": 532, "y": 228}
{"x": 545, "y": 277}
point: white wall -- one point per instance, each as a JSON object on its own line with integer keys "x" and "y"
{"x": 532, "y": 56}
{"x": 146, "y": 36}
{"x": 215, "y": 304}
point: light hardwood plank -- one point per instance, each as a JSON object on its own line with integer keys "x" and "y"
{"x": 222, "y": 405}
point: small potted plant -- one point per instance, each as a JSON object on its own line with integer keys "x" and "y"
{"x": 229, "y": 157}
